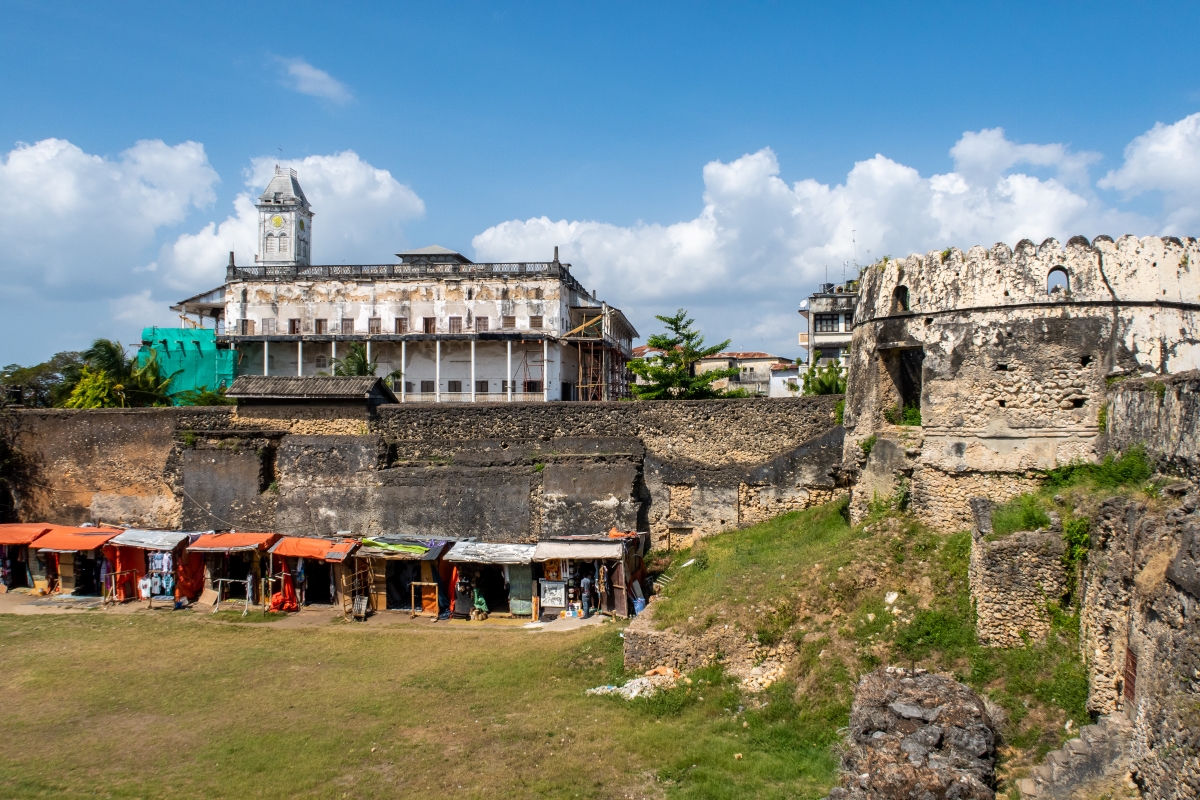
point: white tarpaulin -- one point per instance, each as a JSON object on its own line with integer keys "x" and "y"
{"x": 490, "y": 553}
{"x": 580, "y": 551}
{"x": 152, "y": 540}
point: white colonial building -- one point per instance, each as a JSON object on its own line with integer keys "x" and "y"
{"x": 443, "y": 328}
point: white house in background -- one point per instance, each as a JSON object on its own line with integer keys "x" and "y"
{"x": 829, "y": 317}
{"x": 447, "y": 329}
{"x": 754, "y": 370}
{"x": 786, "y": 380}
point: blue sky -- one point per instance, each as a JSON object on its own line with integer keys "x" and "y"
{"x": 713, "y": 156}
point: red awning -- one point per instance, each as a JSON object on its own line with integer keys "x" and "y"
{"x": 22, "y": 532}
{"x": 308, "y": 547}
{"x": 229, "y": 542}
{"x": 62, "y": 539}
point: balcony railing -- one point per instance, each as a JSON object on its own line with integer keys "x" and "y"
{"x": 374, "y": 271}
{"x": 465, "y": 397}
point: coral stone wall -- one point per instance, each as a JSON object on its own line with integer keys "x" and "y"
{"x": 1010, "y": 377}
{"x": 1162, "y": 414}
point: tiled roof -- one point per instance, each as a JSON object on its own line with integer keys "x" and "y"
{"x": 747, "y": 355}
{"x": 317, "y": 387}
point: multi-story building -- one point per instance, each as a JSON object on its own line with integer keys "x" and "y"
{"x": 829, "y": 314}
{"x": 442, "y": 328}
{"x": 754, "y": 370}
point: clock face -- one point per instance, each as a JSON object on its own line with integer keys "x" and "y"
{"x": 277, "y": 221}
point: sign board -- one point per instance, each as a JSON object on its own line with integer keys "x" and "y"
{"x": 554, "y": 593}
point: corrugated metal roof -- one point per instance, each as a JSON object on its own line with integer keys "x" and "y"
{"x": 315, "y": 387}
{"x": 154, "y": 540}
{"x": 580, "y": 551}
{"x": 491, "y": 553}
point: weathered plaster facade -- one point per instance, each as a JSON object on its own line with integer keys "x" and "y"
{"x": 1008, "y": 355}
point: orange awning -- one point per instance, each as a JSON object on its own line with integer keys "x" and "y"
{"x": 63, "y": 539}
{"x": 229, "y": 542}
{"x": 22, "y": 532}
{"x": 308, "y": 547}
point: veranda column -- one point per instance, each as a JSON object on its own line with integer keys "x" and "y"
{"x": 437, "y": 372}
{"x": 333, "y": 350}
{"x": 509, "y": 382}
{"x": 266, "y": 357}
{"x": 545, "y": 370}
{"x": 369, "y": 353}
{"x": 403, "y": 359}
{"x": 300, "y": 357}
{"x": 472, "y": 370}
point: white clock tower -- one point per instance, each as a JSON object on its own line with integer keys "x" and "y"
{"x": 284, "y": 222}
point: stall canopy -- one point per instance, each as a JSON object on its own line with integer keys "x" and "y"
{"x": 62, "y": 539}
{"x": 402, "y": 548}
{"x": 232, "y": 542}
{"x": 579, "y": 551}
{"x": 152, "y": 540}
{"x": 312, "y": 547}
{"x": 22, "y": 533}
{"x": 491, "y": 553}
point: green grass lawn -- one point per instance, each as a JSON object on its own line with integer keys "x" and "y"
{"x": 178, "y": 705}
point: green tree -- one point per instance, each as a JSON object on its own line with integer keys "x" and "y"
{"x": 671, "y": 374}
{"x": 94, "y": 389}
{"x": 46, "y": 384}
{"x": 203, "y": 396}
{"x": 114, "y": 379}
{"x": 355, "y": 362}
{"x": 829, "y": 379}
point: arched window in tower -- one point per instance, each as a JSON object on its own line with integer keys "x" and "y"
{"x": 1058, "y": 282}
{"x": 900, "y": 300}
{"x": 269, "y": 245}
{"x": 283, "y": 243}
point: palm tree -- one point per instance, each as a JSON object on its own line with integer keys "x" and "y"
{"x": 355, "y": 363}
{"x": 114, "y": 379}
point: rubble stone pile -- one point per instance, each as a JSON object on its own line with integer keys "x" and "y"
{"x": 917, "y": 736}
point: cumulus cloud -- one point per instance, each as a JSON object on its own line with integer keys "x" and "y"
{"x": 760, "y": 244}
{"x": 358, "y": 214}
{"x": 1165, "y": 159}
{"x": 304, "y": 78}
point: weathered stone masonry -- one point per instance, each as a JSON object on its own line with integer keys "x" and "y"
{"x": 509, "y": 473}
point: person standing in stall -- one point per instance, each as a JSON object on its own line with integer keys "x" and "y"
{"x": 585, "y": 594}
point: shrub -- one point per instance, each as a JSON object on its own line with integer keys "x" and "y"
{"x": 1130, "y": 469}
{"x": 867, "y": 443}
{"x": 1023, "y": 513}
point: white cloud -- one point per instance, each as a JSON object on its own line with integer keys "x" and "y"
{"x": 1165, "y": 159}
{"x": 759, "y": 244}
{"x": 307, "y": 79}
{"x": 358, "y": 216}
{"x": 78, "y": 224}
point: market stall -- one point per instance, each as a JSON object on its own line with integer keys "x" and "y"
{"x": 153, "y": 566}
{"x": 233, "y": 565}
{"x": 308, "y": 570}
{"x": 606, "y": 566}
{"x": 74, "y": 560}
{"x": 491, "y": 577}
{"x": 407, "y": 574}
{"x": 17, "y": 569}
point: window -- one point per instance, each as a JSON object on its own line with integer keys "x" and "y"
{"x": 1057, "y": 281}
{"x": 283, "y": 244}
{"x": 532, "y": 387}
{"x": 826, "y": 323}
{"x": 401, "y": 324}
{"x": 322, "y": 326}
{"x": 269, "y": 245}
{"x": 481, "y": 387}
{"x": 294, "y": 327}
{"x": 322, "y": 362}
{"x": 481, "y": 323}
{"x": 900, "y": 299}
{"x": 268, "y": 326}
{"x": 427, "y": 387}
{"x": 455, "y": 386}
{"x": 429, "y": 324}
{"x": 375, "y": 325}
{"x": 537, "y": 294}
{"x": 535, "y": 323}
{"x": 456, "y": 324}
{"x": 508, "y": 323}
{"x": 850, "y": 320}
{"x": 347, "y": 325}
{"x": 245, "y": 327}
{"x": 504, "y": 386}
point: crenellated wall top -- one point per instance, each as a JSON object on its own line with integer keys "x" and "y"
{"x": 1129, "y": 270}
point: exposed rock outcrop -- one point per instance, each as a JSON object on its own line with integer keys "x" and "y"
{"x": 917, "y": 736}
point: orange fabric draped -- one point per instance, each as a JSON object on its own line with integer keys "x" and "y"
{"x": 123, "y": 558}
{"x": 22, "y": 533}
{"x": 189, "y": 575}
{"x": 285, "y": 598}
{"x": 308, "y": 547}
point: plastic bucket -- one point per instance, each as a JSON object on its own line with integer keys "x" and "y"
{"x": 639, "y": 605}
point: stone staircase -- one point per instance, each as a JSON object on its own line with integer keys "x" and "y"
{"x": 1100, "y": 751}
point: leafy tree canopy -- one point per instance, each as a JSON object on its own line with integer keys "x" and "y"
{"x": 355, "y": 362}
{"x": 46, "y": 384}
{"x": 829, "y": 379}
{"x": 671, "y": 374}
{"x": 203, "y": 396}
